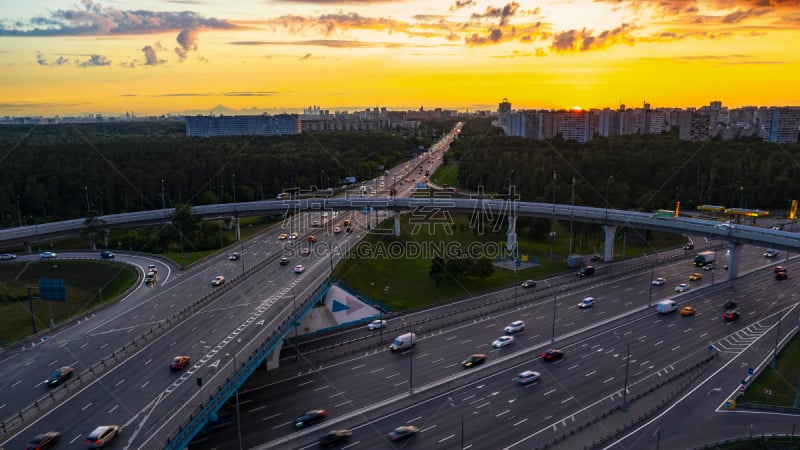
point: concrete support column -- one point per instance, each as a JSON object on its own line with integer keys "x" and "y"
{"x": 608, "y": 246}
{"x": 238, "y": 230}
{"x": 397, "y": 223}
{"x": 28, "y": 246}
{"x": 734, "y": 248}
{"x": 274, "y": 358}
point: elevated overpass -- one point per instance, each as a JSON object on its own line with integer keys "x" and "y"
{"x": 420, "y": 208}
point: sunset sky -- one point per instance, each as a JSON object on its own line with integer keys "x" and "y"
{"x": 69, "y": 57}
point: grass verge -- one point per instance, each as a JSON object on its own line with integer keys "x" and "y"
{"x": 777, "y": 386}
{"x": 88, "y": 284}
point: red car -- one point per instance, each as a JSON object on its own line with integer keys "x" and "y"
{"x": 779, "y": 269}
{"x": 179, "y": 362}
{"x": 552, "y": 355}
{"x": 731, "y": 315}
{"x": 781, "y": 276}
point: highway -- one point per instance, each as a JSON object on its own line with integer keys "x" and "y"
{"x": 214, "y": 326}
{"x": 494, "y": 407}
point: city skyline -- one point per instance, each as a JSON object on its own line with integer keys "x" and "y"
{"x": 67, "y": 58}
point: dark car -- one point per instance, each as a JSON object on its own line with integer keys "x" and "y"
{"x": 688, "y": 247}
{"x": 107, "y": 255}
{"x": 43, "y": 441}
{"x": 585, "y": 271}
{"x": 781, "y": 276}
{"x": 334, "y": 437}
{"x": 474, "y": 360}
{"x": 730, "y": 304}
{"x": 313, "y": 416}
{"x": 60, "y": 375}
{"x": 552, "y": 355}
{"x": 731, "y": 315}
{"x": 404, "y": 432}
{"x": 528, "y": 284}
{"x": 284, "y": 261}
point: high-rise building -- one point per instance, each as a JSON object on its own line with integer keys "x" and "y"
{"x": 263, "y": 125}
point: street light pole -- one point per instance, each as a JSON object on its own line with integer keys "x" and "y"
{"x": 652, "y": 272}
{"x": 163, "y": 198}
{"x": 625, "y": 389}
{"x": 553, "y": 336}
{"x": 741, "y": 201}
{"x": 608, "y": 185}
{"x": 777, "y": 338}
{"x": 86, "y": 191}
{"x": 553, "y": 218}
{"x": 572, "y": 215}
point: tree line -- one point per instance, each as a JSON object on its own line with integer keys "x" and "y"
{"x": 68, "y": 171}
{"x": 639, "y": 172}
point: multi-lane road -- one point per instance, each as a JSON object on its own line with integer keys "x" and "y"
{"x": 368, "y": 391}
{"x": 215, "y": 326}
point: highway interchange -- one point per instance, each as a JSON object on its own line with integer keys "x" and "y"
{"x": 497, "y": 412}
{"x": 370, "y": 390}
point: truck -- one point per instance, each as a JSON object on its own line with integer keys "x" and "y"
{"x": 704, "y": 258}
{"x": 666, "y": 306}
{"x": 403, "y": 342}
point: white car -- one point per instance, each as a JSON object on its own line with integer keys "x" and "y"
{"x": 376, "y": 324}
{"x": 515, "y": 327}
{"x": 47, "y": 255}
{"x": 337, "y": 230}
{"x": 299, "y": 268}
{"x": 529, "y": 376}
{"x": 588, "y": 302}
{"x": 293, "y": 236}
{"x": 502, "y": 341}
{"x": 659, "y": 281}
{"x": 683, "y": 287}
{"x": 7, "y": 256}
{"x": 218, "y": 280}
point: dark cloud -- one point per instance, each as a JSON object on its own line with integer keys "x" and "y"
{"x": 504, "y": 14}
{"x": 60, "y": 61}
{"x": 461, "y": 4}
{"x": 95, "y": 61}
{"x": 585, "y": 40}
{"x": 216, "y": 94}
{"x": 495, "y": 36}
{"x": 306, "y": 56}
{"x": 187, "y": 41}
{"x": 150, "y": 56}
{"x": 333, "y": 43}
{"x": 95, "y": 19}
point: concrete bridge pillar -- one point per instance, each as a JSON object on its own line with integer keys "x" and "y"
{"x": 397, "y": 223}
{"x": 734, "y": 248}
{"x": 274, "y": 358}
{"x": 28, "y": 248}
{"x": 608, "y": 247}
{"x": 237, "y": 228}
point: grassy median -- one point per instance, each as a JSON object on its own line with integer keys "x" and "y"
{"x": 777, "y": 386}
{"x": 88, "y": 284}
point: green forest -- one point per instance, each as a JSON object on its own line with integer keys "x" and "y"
{"x": 68, "y": 171}
{"x": 640, "y": 172}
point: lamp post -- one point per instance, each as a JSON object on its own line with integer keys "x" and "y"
{"x": 571, "y": 215}
{"x": 19, "y": 211}
{"x": 608, "y": 185}
{"x": 238, "y": 419}
{"x": 294, "y": 314}
{"x": 100, "y": 195}
{"x": 234, "y": 188}
{"x": 741, "y": 201}
{"x": 163, "y": 198}
{"x": 86, "y": 191}
{"x": 777, "y": 338}
{"x": 553, "y": 218}
{"x": 625, "y": 389}
{"x": 652, "y": 272}
{"x": 553, "y": 336}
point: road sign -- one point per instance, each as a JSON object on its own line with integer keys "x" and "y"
{"x": 744, "y": 382}
{"x": 750, "y": 371}
{"x": 741, "y": 390}
{"x": 52, "y": 289}
{"x": 730, "y": 404}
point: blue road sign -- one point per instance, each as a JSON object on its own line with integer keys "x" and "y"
{"x": 744, "y": 382}
{"x": 750, "y": 371}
